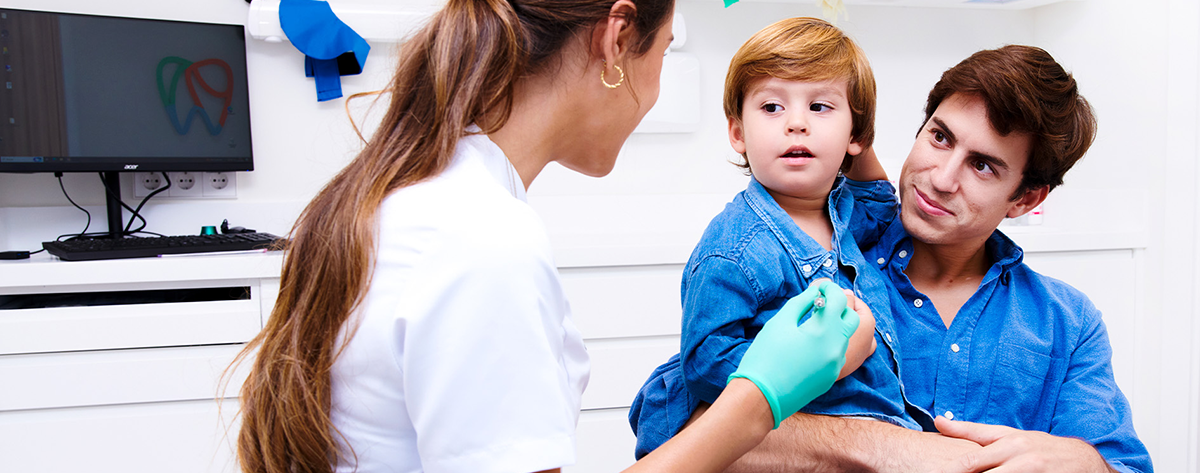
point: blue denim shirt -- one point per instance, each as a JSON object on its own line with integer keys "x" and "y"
{"x": 1026, "y": 351}
{"x": 750, "y": 261}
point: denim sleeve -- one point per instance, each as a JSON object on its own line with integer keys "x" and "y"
{"x": 875, "y": 206}
{"x": 1091, "y": 406}
{"x": 719, "y": 302}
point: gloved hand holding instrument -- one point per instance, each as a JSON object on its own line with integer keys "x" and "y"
{"x": 791, "y": 362}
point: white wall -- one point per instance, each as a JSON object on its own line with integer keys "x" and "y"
{"x": 299, "y": 143}
{"x": 1135, "y": 61}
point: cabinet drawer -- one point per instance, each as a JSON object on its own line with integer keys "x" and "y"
{"x": 54, "y": 380}
{"x": 177, "y": 437}
{"x": 621, "y": 366}
{"x": 604, "y": 442}
{"x": 142, "y": 325}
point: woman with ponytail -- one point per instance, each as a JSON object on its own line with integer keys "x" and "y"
{"x": 421, "y": 325}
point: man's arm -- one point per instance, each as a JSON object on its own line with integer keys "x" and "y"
{"x": 815, "y": 443}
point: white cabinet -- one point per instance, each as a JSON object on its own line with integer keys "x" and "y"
{"x": 125, "y": 377}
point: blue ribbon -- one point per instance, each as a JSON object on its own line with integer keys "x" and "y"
{"x": 331, "y": 48}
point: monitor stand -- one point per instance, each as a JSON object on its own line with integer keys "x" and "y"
{"x": 112, "y": 200}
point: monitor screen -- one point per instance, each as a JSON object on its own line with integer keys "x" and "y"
{"x": 95, "y": 93}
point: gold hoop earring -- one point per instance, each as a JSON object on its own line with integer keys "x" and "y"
{"x": 605, "y": 68}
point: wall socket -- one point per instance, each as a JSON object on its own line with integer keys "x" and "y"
{"x": 220, "y": 184}
{"x": 184, "y": 185}
{"x": 146, "y": 182}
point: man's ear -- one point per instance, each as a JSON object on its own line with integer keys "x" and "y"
{"x": 1030, "y": 199}
{"x": 610, "y": 39}
{"x": 736, "y": 137}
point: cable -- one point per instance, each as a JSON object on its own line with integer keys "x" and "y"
{"x": 10, "y": 255}
{"x": 64, "y": 191}
{"x": 115, "y": 195}
{"x": 135, "y": 214}
{"x": 167, "y": 179}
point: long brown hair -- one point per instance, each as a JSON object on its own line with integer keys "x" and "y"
{"x": 455, "y": 71}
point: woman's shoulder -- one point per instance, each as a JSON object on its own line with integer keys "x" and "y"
{"x": 464, "y": 217}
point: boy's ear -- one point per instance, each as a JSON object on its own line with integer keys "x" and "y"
{"x": 1030, "y": 199}
{"x": 854, "y": 149}
{"x": 737, "y": 138}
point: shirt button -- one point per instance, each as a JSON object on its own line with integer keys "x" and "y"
{"x": 903, "y": 253}
{"x": 918, "y": 303}
{"x": 880, "y": 261}
{"x": 948, "y": 415}
{"x": 954, "y": 347}
{"x": 888, "y": 336}
{"x": 807, "y": 268}
{"x": 827, "y": 263}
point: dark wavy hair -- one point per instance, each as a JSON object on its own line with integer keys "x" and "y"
{"x": 1026, "y": 90}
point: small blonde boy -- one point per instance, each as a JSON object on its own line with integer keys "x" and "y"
{"x": 800, "y": 100}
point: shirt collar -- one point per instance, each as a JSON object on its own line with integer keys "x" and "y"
{"x": 1004, "y": 252}
{"x": 482, "y": 147}
{"x": 840, "y": 204}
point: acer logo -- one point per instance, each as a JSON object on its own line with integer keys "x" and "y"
{"x": 130, "y": 167}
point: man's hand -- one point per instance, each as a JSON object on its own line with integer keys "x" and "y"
{"x": 1006, "y": 449}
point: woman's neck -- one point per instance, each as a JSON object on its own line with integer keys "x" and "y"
{"x": 539, "y": 126}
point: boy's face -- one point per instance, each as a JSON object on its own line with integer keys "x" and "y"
{"x": 795, "y": 135}
{"x": 956, "y": 184}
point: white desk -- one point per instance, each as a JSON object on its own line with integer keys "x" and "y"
{"x": 126, "y": 387}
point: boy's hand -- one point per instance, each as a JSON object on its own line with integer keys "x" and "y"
{"x": 862, "y": 343}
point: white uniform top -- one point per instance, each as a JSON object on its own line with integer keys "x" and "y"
{"x": 465, "y": 357}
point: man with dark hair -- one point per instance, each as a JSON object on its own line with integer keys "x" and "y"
{"x": 980, "y": 337}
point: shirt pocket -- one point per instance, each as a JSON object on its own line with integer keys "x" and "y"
{"x": 1021, "y": 394}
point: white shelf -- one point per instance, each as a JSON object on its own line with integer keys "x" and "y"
{"x": 227, "y": 12}
{"x": 42, "y": 271}
{"x": 374, "y": 20}
{"x": 971, "y": 4}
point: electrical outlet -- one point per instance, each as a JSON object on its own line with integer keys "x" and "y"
{"x": 146, "y": 182}
{"x": 184, "y": 184}
{"x": 219, "y": 184}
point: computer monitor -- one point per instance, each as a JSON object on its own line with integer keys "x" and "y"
{"x": 87, "y": 93}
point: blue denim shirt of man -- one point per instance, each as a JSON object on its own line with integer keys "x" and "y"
{"x": 751, "y": 259}
{"x": 1026, "y": 351}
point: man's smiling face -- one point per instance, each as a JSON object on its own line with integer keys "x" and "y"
{"x": 957, "y": 183}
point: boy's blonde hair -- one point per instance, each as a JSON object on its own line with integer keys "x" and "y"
{"x": 809, "y": 50}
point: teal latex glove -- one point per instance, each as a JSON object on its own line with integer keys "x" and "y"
{"x": 791, "y": 362}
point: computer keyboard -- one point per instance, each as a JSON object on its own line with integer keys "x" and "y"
{"x": 136, "y": 247}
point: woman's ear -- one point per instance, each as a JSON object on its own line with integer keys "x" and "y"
{"x": 610, "y": 39}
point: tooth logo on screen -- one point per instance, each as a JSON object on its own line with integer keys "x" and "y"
{"x": 190, "y": 73}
